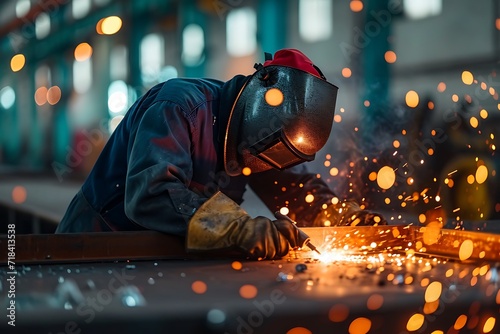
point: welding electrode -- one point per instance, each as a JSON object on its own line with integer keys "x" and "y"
{"x": 303, "y": 238}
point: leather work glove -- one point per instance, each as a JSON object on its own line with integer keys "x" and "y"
{"x": 221, "y": 224}
{"x": 348, "y": 213}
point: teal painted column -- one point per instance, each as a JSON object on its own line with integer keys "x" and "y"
{"x": 35, "y": 140}
{"x": 11, "y": 128}
{"x": 61, "y": 131}
{"x": 376, "y": 71}
{"x": 191, "y": 14}
{"x": 272, "y": 24}
{"x": 137, "y": 31}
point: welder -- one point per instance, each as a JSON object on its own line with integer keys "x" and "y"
{"x": 181, "y": 158}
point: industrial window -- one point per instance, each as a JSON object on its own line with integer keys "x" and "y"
{"x": 82, "y": 75}
{"x": 241, "y": 32}
{"x": 315, "y": 20}
{"x": 82, "y": 68}
{"x": 42, "y": 25}
{"x": 7, "y": 97}
{"x": 118, "y": 102}
{"x": 43, "y": 81}
{"x": 118, "y": 67}
{"x": 152, "y": 57}
{"x": 22, "y": 7}
{"x": 419, "y": 9}
{"x": 117, "y": 97}
{"x": 80, "y": 8}
{"x": 167, "y": 73}
{"x": 193, "y": 44}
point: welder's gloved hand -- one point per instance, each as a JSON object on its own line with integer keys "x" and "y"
{"x": 348, "y": 213}
{"x": 221, "y": 224}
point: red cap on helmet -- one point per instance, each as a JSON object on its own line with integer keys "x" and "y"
{"x": 296, "y": 59}
{"x": 263, "y": 133}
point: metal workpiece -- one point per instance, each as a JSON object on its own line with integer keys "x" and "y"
{"x": 465, "y": 246}
{"x": 381, "y": 292}
{"x": 386, "y": 279}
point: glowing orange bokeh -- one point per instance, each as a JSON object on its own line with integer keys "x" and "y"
{"x": 199, "y": 287}
{"x": 83, "y": 51}
{"x": 19, "y": 194}
{"x": 356, "y": 6}
{"x": 412, "y": 99}
{"x": 346, "y": 72}
{"x": 248, "y": 291}
{"x": 53, "y": 95}
{"x": 17, "y": 62}
{"x": 390, "y": 57}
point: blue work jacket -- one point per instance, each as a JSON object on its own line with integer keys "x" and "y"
{"x": 165, "y": 159}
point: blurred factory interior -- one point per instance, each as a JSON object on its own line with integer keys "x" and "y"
{"x": 417, "y": 115}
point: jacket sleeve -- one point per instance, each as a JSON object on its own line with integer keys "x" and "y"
{"x": 159, "y": 171}
{"x": 289, "y": 188}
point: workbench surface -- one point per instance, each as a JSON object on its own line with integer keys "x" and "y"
{"x": 277, "y": 296}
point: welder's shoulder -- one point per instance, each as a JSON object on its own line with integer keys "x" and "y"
{"x": 189, "y": 93}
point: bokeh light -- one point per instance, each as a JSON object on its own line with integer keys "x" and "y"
{"x": 53, "y": 95}
{"x": 412, "y": 99}
{"x": 356, "y": 5}
{"x": 236, "y": 265}
{"x": 386, "y": 177}
{"x": 441, "y": 87}
{"x": 474, "y": 122}
{"x": 489, "y": 325}
{"x": 338, "y": 313}
{"x": 7, "y": 97}
{"x": 390, "y": 57}
{"x": 17, "y": 62}
{"x": 248, "y": 291}
{"x": 415, "y": 322}
{"x": 481, "y": 174}
{"x": 346, "y": 72}
{"x": 309, "y": 198}
{"x": 41, "y": 95}
{"x": 433, "y": 291}
{"x": 109, "y": 25}
{"x": 460, "y": 322}
{"x": 246, "y": 171}
{"x": 284, "y": 210}
{"x": 274, "y": 97}
{"x": 375, "y": 302}
{"x": 199, "y": 287}
{"x": 299, "y": 330}
{"x": 466, "y": 249}
{"x": 467, "y": 78}
{"x": 19, "y": 194}
{"x": 83, "y": 51}
{"x": 360, "y": 325}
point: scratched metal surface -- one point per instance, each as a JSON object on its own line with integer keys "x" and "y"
{"x": 373, "y": 292}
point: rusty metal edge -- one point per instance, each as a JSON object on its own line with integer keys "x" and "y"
{"x": 443, "y": 243}
{"x": 83, "y": 247}
{"x": 103, "y": 247}
{"x": 145, "y": 245}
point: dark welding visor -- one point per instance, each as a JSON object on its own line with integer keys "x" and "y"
{"x": 277, "y": 151}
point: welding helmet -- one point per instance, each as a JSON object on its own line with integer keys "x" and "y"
{"x": 281, "y": 117}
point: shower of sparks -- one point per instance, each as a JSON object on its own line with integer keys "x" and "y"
{"x": 393, "y": 178}
{"x": 405, "y": 256}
